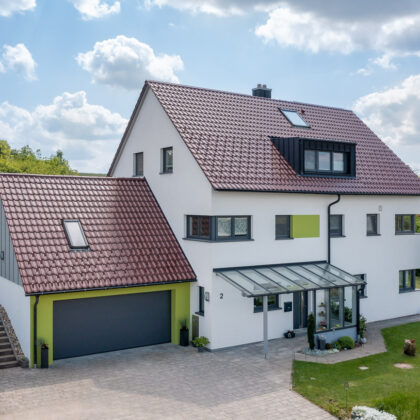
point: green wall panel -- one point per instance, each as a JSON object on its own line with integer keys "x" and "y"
{"x": 304, "y": 226}
{"x": 180, "y": 310}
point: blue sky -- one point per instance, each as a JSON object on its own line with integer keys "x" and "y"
{"x": 71, "y": 70}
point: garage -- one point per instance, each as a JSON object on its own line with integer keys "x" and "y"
{"x": 101, "y": 324}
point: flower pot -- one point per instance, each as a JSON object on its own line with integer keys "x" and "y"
{"x": 184, "y": 335}
{"x": 44, "y": 357}
{"x": 363, "y": 340}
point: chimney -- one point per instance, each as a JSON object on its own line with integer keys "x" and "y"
{"x": 262, "y": 91}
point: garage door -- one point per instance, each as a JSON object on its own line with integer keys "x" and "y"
{"x": 96, "y": 325}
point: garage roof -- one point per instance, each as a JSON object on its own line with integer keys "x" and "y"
{"x": 130, "y": 241}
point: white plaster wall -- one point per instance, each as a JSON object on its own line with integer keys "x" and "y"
{"x": 185, "y": 191}
{"x": 17, "y": 305}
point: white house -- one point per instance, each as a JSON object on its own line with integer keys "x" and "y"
{"x": 247, "y": 184}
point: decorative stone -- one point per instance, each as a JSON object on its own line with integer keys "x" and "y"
{"x": 363, "y": 368}
{"x": 403, "y": 366}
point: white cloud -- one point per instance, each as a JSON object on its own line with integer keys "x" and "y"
{"x": 87, "y": 133}
{"x": 126, "y": 62}
{"x": 8, "y": 7}
{"x": 393, "y": 113}
{"x": 18, "y": 59}
{"x": 94, "y": 9}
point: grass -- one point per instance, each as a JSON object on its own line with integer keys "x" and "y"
{"x": 382, "y": 386}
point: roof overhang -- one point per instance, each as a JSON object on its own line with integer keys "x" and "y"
{"x": 264, "y": 280}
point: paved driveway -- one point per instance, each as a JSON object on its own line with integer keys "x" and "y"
{"x": 164, "y": 381}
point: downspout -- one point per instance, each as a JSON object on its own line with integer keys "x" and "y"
{"x": 35, "y": 331}
{"x": 329, "y": 235}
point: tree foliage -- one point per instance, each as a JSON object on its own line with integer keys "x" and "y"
{"x": 25, "y": 160}
{"x": 311, "y": 331}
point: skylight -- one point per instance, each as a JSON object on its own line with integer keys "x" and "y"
{"x": 75, "y": 234}
{"x": 294, "y": 118}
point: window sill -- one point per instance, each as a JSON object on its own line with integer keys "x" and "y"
{"x": 363, "y": 297}
{"x": 405, "y": 233}
{"x": 138, "y": 176}
{"x": 217, "y": 240}
{"x": 259, "y": 311}
{"x": 166, "y": 173}
{"x": 337, "y": 236}
{"x": 283, "y": 239}
{"x": 402, "y": 291}
{"x": 373, "y": 234}
{"x": 199, "y": 313}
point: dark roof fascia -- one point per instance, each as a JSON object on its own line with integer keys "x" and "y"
{"x": 316, "y": 192}
{"x": 56, "y": 292}
{"x": 129, "y": 128}
{"x": 310, "y": 139}
{"x": 245, "y": 267}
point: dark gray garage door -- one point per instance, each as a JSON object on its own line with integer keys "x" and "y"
{"x": 96, "y": 325}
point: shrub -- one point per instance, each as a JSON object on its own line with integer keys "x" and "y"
{"x": 404, "y": 405}
{"x": 346, "y": 342}
{"x": 336, "y": 345}
{"x": 367, "y": 413}
{"x": 362, "y": 326}
{"x": 311, "y": 331}
{"x": 410, "y": 347}
{"x": 201, "y": 341}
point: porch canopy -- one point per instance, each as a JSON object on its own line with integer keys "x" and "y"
{"x": 287, "y": 278}
{"x": 278, "y": 279}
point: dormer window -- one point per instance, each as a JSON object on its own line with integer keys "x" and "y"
{"x": 75, "y": 235}
{"x": 294, "y": 118}
{"x": 318, "y": 157}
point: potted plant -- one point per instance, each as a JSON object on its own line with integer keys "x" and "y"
{"x": 289, "y": 334}
{"x": 44, "y": 354}
{"x": 410, "y": 347}
{"x": 362, "y": 329}
{"x": 311, "y": 331}
{"x": 184, "y": 334}
{"x": 201, "y": 342}
{"x": 23, "y": 362}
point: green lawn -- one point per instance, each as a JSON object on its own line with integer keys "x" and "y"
{"x": 382, "y": 386}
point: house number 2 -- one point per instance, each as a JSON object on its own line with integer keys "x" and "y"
{"x": 221, "y": 295}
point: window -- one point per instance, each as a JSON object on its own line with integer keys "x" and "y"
{"x": 167, "y": 160}
{"x": 200, "y": 300}
{"x": 372, "y": 227}
{"x": 282, "y": 227}
{"x": 219, "y": 228}
{"x": 237, "y": 227}
{"x": 407, "y": 281}
{"x": 294, "y": 118}
{"x": 336, "y": 225}
{"x": 75, "y": 235}
{"x": 273, "y": 303}
{"x": 325, "y": 161}
{"x": 138, "y": 164}
{"x": 405, "y": 223}
{"x": 363, "y": 287}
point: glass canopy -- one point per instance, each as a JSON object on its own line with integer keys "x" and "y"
{"x": 287, "y": 278}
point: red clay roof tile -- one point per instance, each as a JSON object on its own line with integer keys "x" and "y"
{"x": 229, "y": 136}
{"x": 130, "y": 240}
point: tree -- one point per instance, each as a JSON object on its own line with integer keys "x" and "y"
{"x": 25, "y": 160}
{"x": 311, "y": 331}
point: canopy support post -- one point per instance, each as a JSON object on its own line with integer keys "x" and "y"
{"x": 265, "y": 320}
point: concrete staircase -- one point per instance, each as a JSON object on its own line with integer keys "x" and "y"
{"x": 7, "y": 357}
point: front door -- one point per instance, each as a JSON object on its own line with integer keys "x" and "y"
{"x": 300, "y": 310}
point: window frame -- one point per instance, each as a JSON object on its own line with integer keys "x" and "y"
{"x": 406, "y": 289}
{"x": 165, "y": 168}
{"x": 284, "y": 111}
{"x": 136, "y": 171}
{"x": 331, "y": 171}
{"x": 377, "y": 230}
{"x": 214, "y": 237}
{"x": 72, "y": 247}
{"x": 289, "y": 219}
{"x": 412, "y": 231}
{"x": 271, "y": 307}
{"x": 335, "y": 235}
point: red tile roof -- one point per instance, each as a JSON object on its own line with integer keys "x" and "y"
{"x": 229, "y": 136}
{"x": 130, "y": 240}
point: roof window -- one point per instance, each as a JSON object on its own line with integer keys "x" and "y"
{"x": 75, "y": 235}
{"x": 294, "y": 118}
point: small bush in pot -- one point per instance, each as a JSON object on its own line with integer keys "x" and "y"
{"x": 362, "y": 329}
{"x": 184, "y": 334}
{"x": 289, "y": 334}
{"x": 201, "y": 342}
